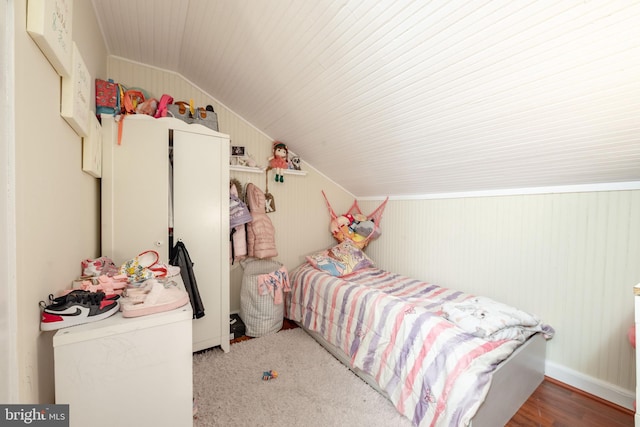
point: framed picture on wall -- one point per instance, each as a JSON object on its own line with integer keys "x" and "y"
{"x": 92, "y": 149}
{"x": 49, "y": 25}
{"x": 237, "y": 151}
{"x": 76, "y": 93}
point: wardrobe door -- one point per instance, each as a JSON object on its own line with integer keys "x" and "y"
{"x": 135, "y": 188}
{"x": 201, "y": 222}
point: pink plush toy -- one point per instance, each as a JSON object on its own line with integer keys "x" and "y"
{"x": 147, "y": 107}
{"x": 338, "y": 224}
{"x": 279, "y": 160}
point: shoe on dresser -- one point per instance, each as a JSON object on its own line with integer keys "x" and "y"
{"x": 110, "y": 285}
{"x": 153, "y": 297}
{"x": 76, "y": 308}
{"x": 98, "y": 266}
{"x": 63, "y": 295}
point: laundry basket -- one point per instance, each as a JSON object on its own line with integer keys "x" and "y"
{"x": 261, "y": 300}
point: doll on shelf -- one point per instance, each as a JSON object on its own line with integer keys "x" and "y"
{"x": 280, "y": 160}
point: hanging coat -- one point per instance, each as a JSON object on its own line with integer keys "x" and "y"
{"x": 180, "y": 257}
{"x": 261, "y": 235}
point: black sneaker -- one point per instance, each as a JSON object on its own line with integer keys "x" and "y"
{"x": 62, "y": 298}
{"x": 76, "y": 308}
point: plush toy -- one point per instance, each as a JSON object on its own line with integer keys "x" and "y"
{"x": 294, "y": 163}
{"x": 357, "y": 238}
{"x": 246, "y": 160}
{"x": 347, "y": 232}
{"x": 338, "y": 223}
{"x": 359, "y": 217}
{"x": 279, "y": 160}
{"x": 147, "y": 107}
{"x": 364, "y": 228}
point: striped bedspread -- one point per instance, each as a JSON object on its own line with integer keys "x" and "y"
{"x": 391, "y": 327}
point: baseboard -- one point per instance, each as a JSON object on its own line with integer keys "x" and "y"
{"x": 594, "y": 386}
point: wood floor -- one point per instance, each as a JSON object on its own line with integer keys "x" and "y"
{"x": 558, "y": 405}
{"x": 555, "y": 404}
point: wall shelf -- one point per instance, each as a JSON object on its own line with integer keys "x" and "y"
{"x": 261, "y": 170}
{"x": 294, "y": 172}
{"x": 248, "y": 169}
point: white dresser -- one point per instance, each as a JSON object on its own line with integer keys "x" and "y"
{"x": 127, "y": 371}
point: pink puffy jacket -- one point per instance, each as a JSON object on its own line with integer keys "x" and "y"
{"x": 261, "y": 235}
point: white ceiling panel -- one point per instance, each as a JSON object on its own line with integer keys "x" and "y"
{"x": 412, "y": 97}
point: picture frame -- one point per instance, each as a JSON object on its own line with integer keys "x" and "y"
{"x": 75, "y": 106}
{"x": 238, "y": 151}
{"x": 49, "y": 23}
{"x": 92, "y": 149}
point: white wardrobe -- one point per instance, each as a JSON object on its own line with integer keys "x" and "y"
{"x": 145, "y": 196}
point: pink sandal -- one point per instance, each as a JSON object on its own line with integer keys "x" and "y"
{"x": 154, "y": 297}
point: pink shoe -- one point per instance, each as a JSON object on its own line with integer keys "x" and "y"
{"x": 159, "y": 298}
{"x": 99, "y": 266}
{"x": 137, "y": 294}
{"x": 88, "y": 285}
{"x": 109, "y": 285}
{"x": 118, "y": 281}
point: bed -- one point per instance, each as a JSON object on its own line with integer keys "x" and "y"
{"x": 437, "y": 354}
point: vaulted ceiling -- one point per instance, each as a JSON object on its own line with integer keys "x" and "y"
{"x": 412, "y": 97}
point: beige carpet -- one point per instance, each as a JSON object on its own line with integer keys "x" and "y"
{"x": 312, "y": 388}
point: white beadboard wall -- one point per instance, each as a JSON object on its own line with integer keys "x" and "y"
{"x": 299, "y": 203}
{"x": 570, "y": 258}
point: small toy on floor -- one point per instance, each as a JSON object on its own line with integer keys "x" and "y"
{"x": 269, "y": 375}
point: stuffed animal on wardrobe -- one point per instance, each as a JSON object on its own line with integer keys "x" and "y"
{"x": 148, "y": 107}
{"x": 280, "y": 160}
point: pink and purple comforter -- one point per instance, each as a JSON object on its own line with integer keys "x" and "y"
{"x": 392, "y": 328}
